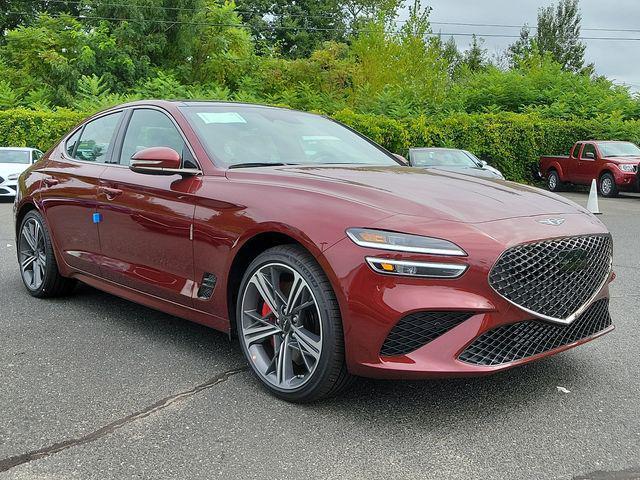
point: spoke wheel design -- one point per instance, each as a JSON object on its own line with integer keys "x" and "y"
{"x": 32, "y": 254}
{"x": 281, "y": 326}
{"x": 607, "y": 186}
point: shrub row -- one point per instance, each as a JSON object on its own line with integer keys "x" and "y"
{"x": 511, "y": 142}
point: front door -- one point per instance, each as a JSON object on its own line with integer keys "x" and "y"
{"x": 70, "y": 191}
{"x": 146, "y": 220}
{"x": 588, "y": 164}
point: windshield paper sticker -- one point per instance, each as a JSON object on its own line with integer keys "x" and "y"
{"x": 221, "y": 117}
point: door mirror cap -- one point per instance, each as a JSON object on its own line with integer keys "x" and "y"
{"x": 402, "y": 160}
{"x": 159, "y": 161}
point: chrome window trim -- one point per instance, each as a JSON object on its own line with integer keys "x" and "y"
{"x": 125, "y": 109}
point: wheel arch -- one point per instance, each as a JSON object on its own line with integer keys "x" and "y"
{"x": 555, "y": 167}
{"x": 252, "y": 246}
{"x": 21, "y": 211}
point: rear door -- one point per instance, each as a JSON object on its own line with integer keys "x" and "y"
{"x": 571, "y": 166}
{"x": 69, "y": 192}
{"x": 146, "y": 220}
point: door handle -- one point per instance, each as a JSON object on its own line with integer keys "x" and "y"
{"x": 109, "y": 192}
{"x": 50, "y": 182}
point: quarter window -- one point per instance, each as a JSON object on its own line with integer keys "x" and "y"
{"x": 96, "y": 138}
{"x": 150, "y": 128}
{"x": 576, "y": 150}
{"x": 72, "y": 142}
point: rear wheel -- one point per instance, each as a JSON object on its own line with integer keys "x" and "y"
{"x": 607, "y": 185}
{"x": 289, "y": 326}
{"x": 553, "y": 181}
{"x": 38, "y": 266}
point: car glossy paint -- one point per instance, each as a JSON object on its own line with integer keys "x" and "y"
{"x": 157, "y": 236}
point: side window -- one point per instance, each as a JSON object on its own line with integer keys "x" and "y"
{"x": 72, "y": 142}
{"x": 35, "y": 156}
{"x": 589, "y": 152}
{"x": 96, "y": 138}
{"x": 150, "y": 128}
{"x": 576, "y": 150}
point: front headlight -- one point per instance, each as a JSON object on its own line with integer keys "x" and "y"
{"x": 403, "y": 242}
{"x": 13, "y": 176}
{"x": 628, "y": 167}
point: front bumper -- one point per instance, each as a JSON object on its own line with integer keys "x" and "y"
{"x": 372, "y": 304}
{"x": 627, "y": 181}
{"x": 8, "y": 188}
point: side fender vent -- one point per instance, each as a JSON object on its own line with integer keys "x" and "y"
{"x": 207, "y": 286}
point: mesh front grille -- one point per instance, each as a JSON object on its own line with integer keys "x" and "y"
{"x": 509, "y": 343}
{"x": 553, "y": 278}
{"x": 418, "y": 329}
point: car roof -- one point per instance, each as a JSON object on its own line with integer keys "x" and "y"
{"x": 438, "y": 148}
{"x": 21, "y": 149}
{"x": 192, "y": 103}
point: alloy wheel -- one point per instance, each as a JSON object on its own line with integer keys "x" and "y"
{"x": 281, "y": 326}
{"x": 32, "y": 254}
{"x": 606, "y": 186}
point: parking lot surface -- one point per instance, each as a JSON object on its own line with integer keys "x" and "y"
{"x": 92, "y": 386}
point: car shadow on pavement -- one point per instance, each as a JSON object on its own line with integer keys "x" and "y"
{"x": 432, "y": 403}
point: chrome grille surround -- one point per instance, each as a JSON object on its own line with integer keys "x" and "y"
{"x": 555, "y": 279}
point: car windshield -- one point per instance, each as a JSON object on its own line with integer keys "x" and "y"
{"x": 238, "y": 135}
{"x": 441, "y": 158}
{"x": 619, "y": 149}
{"x": 14, "y": 156}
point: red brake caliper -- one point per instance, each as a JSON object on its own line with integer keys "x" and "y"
{"x": 266, "y": 311}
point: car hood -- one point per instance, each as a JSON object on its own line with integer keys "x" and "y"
{"x": 7, "y": 169}
{"x": 633, "y": 160}
{"x": 475, "y": 171}
{"x": 420, "y": 192}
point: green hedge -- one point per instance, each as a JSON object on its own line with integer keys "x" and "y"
{"x": 511, "y": 142}
{"x": 41, "y": 129}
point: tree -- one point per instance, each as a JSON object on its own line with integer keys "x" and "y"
{"x": 475, "y": 58}
{"x": 558, "y": 34}
{"x": 293, "y": 29}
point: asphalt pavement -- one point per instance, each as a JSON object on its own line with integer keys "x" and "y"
{"x": 95, "y": 387}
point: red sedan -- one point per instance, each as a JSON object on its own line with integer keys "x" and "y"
{"x": 324, "y": 255}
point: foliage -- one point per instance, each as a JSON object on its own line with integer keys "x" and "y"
{"x": 558, "y": 33}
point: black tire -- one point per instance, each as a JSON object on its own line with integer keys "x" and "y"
{"x": 607, "y": 186}
{"x": 330, "y": 376}
{"x": 553, "y": 181}
{"x": 53, "y": 284}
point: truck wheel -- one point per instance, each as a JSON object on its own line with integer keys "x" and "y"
{"x": 607, "y": 185}
{"x": 553, "y": 181}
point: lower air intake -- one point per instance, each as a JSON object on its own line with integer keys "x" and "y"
{"x": 418, "y": 329}
{"x": 516, "y": 341}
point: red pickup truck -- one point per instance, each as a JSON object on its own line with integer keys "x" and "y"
{"x": 614, "y": 165}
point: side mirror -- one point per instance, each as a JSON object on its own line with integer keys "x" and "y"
{"x": 159, "y": 161}
{"x": 403, "y": 160}
{"x": 590, "y": 155}
{"x": 483, "y": 163}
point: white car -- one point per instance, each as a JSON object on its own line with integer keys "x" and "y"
{"x": 13, "y": 161}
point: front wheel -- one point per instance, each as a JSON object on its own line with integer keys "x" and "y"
{"x": 289, "y": 326}
{"x": 607, "y": 186}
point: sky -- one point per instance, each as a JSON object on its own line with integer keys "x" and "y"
{"x": 616, "y": 59}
